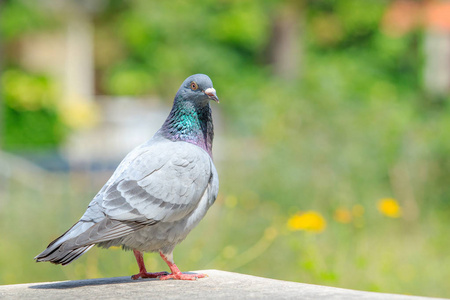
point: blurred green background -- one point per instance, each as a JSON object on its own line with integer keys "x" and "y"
{"x": 332, "y": 134}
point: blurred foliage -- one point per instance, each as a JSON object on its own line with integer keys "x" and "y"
{"x": 222, "y": 38}
{"x": 330, "y": 148}
{"x": 20, "y": 17}
{"x": 29, "y": 112}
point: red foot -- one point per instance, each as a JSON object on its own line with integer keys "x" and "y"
{"x": 148, "y": 275}
{"x": 142, "y": 271}
{"x": 176, "y": 274}
{"x": 181, "y": 276}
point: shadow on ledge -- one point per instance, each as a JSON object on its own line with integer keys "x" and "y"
{"x": 93, "y": 282}
{"x": 87, "y": 282}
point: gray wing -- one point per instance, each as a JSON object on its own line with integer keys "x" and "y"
{"x": 158, "y": 181}
{"x": 164, "y": 183}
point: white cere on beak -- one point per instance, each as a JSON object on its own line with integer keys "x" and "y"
{"x": 211, "y": 92}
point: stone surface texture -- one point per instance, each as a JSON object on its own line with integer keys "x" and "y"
{"x": 219, "y": 285}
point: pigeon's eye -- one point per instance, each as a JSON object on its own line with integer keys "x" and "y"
{"x": 194, "y": 86}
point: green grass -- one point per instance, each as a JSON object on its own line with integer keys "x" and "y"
{"x": 243, "y": 233}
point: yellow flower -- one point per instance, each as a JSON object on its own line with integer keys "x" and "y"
{"x": 343, "y": 215}
{"x": 308, "y": 221}
{"x": 389, "y": 207}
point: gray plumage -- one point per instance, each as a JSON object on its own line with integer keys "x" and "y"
{"x": 159, "y": 192}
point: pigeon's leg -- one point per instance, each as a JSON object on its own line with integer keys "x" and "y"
{"x": 176, "y": 274}
{"x": 142, "y": 271}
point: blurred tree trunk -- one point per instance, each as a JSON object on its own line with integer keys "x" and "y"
{"x": 1, "y": 90}
{"x": 284, "y": 49}
{"x": 437, "y": 62}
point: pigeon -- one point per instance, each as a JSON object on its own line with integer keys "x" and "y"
{"x": 158, "y": 193}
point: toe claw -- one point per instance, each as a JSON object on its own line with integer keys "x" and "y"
{"x": 149, "y": 275}
{"x": 181, "y": 276}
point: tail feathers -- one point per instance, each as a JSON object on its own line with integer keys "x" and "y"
{"x": 55, "y": 252}
{"x": 62, "y": 257}
{"x": 83, "y": 236}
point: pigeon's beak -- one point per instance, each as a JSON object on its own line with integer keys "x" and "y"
{"x": 211, "y": 94}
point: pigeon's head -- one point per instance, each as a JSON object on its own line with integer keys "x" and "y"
{"x": 198, "y": 89}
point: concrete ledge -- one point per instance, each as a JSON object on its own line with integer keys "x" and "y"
{"x": 219, "y": 285}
